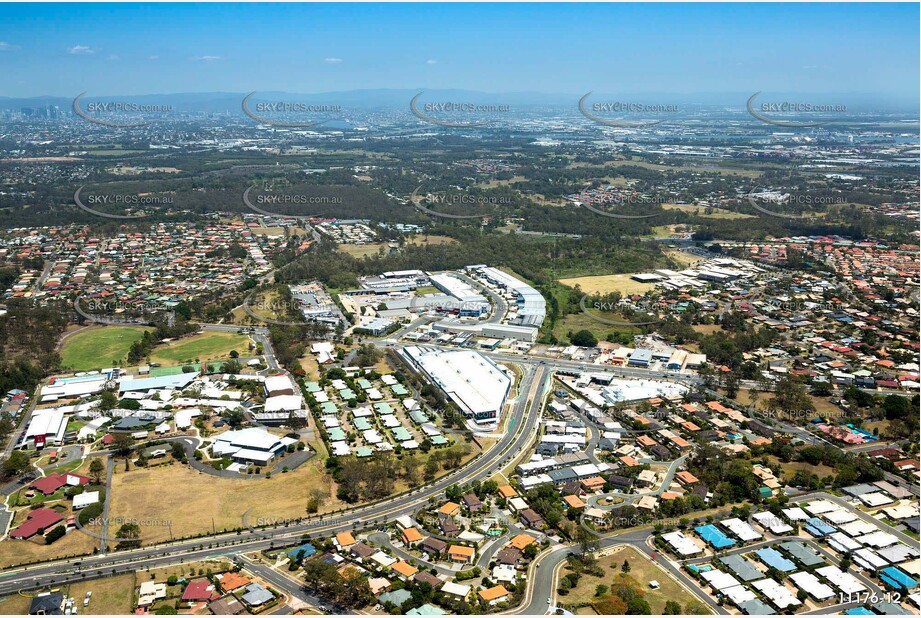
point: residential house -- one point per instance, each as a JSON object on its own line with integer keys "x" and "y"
{"x": 461, "y": 554}
{"x": 531, "y": 519}
{"x": 494, "y": 595}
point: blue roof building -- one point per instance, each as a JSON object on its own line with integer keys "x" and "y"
{"x": 773, "y": 558}
{"x": 307, "y": 548}
{"x": 712, "y": 535}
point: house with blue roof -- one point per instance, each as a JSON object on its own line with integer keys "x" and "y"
{"x": 774, "y": 559}
{"x": 897, "y": 578}
{"x": 307, "y": 548}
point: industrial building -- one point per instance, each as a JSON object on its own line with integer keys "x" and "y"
{"x": 530, "y": 307}
{"x": 623, "y": 390}
{"x": 46, "y": 427}
{"x": 473, "y": 382}
{"x": 499, "y": 331}
{"x": 466, "y": 300}
{"x": 72, "y": 388}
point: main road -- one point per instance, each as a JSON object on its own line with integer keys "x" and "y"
{"x": 522, "y": 428}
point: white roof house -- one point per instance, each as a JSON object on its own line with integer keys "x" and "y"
{"x": 810, "y": 584}
{"x": 284, "y": 403}
{"x": 251, "y": 445}
{"x": 457, "y": 590}
{"x": 796, "y": 514}
{"x": 279, "y": 385}
{"x": 772, "y": 522}
{"x": 184, "y": 418}
{"x": 682, "y": 544}
{"x": 739, "y": 594}
{"x": 720, "y": 580}
{"x": 741, "y": 529}
{"x": 779, "y": 595}
{"x": 85, "y": 499}
{"x": 89, "y": 430}
{"x": 150, "y": 592}
{"x": 66, "y": 388}
{"x": 843, "y": 581}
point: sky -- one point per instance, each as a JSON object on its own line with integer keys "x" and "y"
{"x": 125, "y": 49}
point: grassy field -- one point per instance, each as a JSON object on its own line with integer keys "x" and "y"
{"x": 310, "y": 366}
{"x": 14, "y": 605}
{"x": 579, "y": 321}
{"x": 709, "y": 329}
{"x": 268, "y": 231}
{"x": 604, "y": 284}
{"x": 792, "y": 467}
{"x": 14, "y": 552}
{"x": 371, "y": 249}
{"x": 430, "y": 240}
{"x": 206, "y": 346}
{"x": 642, "y": 569}
{"x": 685, "y": 259}
{"x": 184, "y": 570}
{"x": 687, "y": 168}
{"x": 360, "y": 251}
{"x": 823, "y": 407}
{"x": 111, "y": 595}
{"x": 99, "y": 347}
{"x": 180, "y": 495}
{"x": 701, "y": 211}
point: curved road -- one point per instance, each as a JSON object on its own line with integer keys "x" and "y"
{"x": 523, "y": 428}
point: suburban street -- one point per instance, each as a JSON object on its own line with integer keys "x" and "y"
{"x": 523, "y": 427}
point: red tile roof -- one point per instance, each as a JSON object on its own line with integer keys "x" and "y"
{"x": 53, "y": 482}
{"x": 39, "y": 519}
{"x": 200, "y": 590}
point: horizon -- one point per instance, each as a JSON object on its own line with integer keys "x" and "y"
{"x": 60, "y": 51}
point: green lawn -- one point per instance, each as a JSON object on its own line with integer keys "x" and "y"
{"x": 101, "y": 347}
{"x": 206, "y": 346}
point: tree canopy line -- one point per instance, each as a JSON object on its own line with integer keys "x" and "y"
{"x": 29, "y": 335}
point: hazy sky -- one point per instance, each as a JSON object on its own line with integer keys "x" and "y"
{"x": 64, "y": 49}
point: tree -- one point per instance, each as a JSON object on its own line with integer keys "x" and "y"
{"x": 17, "y": 463}
{"x": 233, "y": 366}
{"x": 55, "y": 534}
{"x": 296, "y": 421}
{"x": 122, "y": 443}
{"x": 129, "y": 404}
{"x": 431, "y": 467}
{"x": 234, "y": 417}
{"x": 672, "y": 608}
{"x": 316, "y": 571}
{"x": 625, "y": 567}
{"x": 129, "y": 536}
{"x": 638, "y": 606}
{"x": 584, "y": 339}
{"x": 97, "y": 469}
{"x": 896, "y": 407}
{"x": 587, "y": 540}
{"x": 610, "y": 606}
{"x": 107, "y": 401}
{"x": 177, "y": 451}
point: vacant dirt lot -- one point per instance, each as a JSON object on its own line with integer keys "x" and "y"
{"x": 194, "y": 502}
